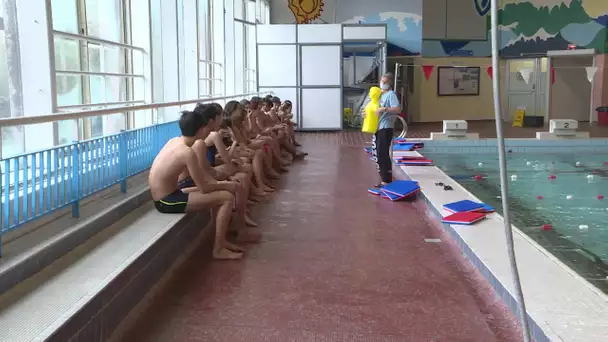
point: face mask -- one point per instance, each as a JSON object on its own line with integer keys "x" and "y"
{"x": 384, "y": 86}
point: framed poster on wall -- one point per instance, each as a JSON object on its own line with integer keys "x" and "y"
{"x": 457, "y": 81}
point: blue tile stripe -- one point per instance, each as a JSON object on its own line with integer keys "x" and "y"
{"x": 517, "y": 145}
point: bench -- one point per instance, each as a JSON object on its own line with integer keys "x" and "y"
{"x": 87, "y": 293}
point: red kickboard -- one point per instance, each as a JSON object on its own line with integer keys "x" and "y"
{"x": 464, "y": 218}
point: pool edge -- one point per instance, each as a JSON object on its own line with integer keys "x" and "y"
{"x": 502, "y": 290}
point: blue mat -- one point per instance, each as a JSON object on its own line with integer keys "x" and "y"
{"x": 401, "y": 188}
{"x": 463, "y": 206}
{"x": 403, "y": 147}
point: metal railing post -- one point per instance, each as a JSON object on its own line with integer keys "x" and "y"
{"x": 123, "y": 159}
{"x": 76, "y": 173}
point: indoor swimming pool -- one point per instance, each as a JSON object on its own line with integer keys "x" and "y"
{"x": 562, "y": 192}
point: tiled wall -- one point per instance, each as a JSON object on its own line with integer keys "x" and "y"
{"x": 517, "y": 145}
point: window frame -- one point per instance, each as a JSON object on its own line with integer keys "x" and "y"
{"x": 126, "y": 74}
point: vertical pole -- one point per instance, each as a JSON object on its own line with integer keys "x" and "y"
{"x": 123, "y": 159}
{"x": 519, "y": 296}
{"x": 76, "y": 172}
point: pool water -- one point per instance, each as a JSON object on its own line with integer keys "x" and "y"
{"x": 571, "y": 203}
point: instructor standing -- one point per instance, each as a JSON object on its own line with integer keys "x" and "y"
{"x": 382, "y": 141}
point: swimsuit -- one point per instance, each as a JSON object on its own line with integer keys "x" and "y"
{"x": 185, "y": 183}
{"x": 211, "y": 152}
{"x": 173, "y": 203}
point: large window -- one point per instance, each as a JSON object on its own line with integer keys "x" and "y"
{"x": 95, "y": 66}
{"x": 210, "y": 69}
{"x": 218, "y": 47}
{"x": 245, "y": 13}
{"x": 12, "y": 137}
{"x": 120, "y": 53}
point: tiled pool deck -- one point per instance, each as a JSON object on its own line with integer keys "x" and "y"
{"x": 561, "y": 305}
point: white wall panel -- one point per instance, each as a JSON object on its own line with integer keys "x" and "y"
{"x": 321, "y": 33}
{"x": 276, "y": 34}
{"x": 277, "y": 65}
{"x": 370, "y": 33}
{"x": 321, "y": 65}
{"x": 321, "y": 108}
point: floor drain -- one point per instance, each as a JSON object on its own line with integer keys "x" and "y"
{"x": 432, "y": 240}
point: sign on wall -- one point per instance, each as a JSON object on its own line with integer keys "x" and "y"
{"x": 457, "y": 81}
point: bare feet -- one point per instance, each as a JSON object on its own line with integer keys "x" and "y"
{"x": 300, "y": 155}
{"x": 296, "y": 144}
{"x": 226, "y": 254}
{"x": 249, "y": 237}
{"x": 268, "y": 188}
{"x": 233, "y": 247}
{"x": 259, "y": 193}
{"x": 249, "y": 222}
{"x": 272, "y": 175}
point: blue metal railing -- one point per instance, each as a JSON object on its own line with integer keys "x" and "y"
{"x": 38, "y": 183}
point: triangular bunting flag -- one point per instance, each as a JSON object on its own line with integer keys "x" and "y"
{"x": 428, "y": 70}
{"x": 490, "y": 71}
{"x": 525, "y": 74}
{"x": 591, "y": 73}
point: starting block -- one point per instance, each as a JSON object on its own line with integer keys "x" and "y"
{"x": 562, "y": 129}
{"x": 454, "y": 129}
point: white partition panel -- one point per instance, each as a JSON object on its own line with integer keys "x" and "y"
{"x": 276, "y": 34}
{"x": 321, "y": 65}
{"x": 321, "y": 108}
{"x": 277, "y": 65}
{"x": 290, "y": 94}
{"x": 329, "y": 33}
{"x": 363, "y": 32}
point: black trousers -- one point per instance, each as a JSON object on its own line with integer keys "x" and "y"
{"x": 381, "y": 152}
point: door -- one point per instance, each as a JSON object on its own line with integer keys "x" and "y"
{"x": 571, "y": 90}
{"x": 522, "y": 87}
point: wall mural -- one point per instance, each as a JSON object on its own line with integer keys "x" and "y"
{"x": 526, "y": 26}
{"x": 305, "y": 11}
{"x": 534, "y": 27}
{"x": 403, "y": 20}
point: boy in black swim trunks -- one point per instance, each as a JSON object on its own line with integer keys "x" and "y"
{"x": 177, "y": 156}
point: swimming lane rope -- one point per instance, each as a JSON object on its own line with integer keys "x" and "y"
{"x": 519, "y": 296}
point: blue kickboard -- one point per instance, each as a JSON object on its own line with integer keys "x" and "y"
{"x": 462, "y": 206}
{"x": 486, "y": 209}
{"x": 375, "y": 191}
{"x": 403, "y": 147}
{"x": 368, "y": 150}
{"x": 391, "y": 196}
{"x": 401, "y": 188}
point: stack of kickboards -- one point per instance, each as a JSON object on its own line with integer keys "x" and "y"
{"x": 466, "y": 212}
{"x": 404, "y": 153}
{"x": 397, "y": 190}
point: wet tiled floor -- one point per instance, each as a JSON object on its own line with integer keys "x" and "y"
{"x": 336, "y": 264}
